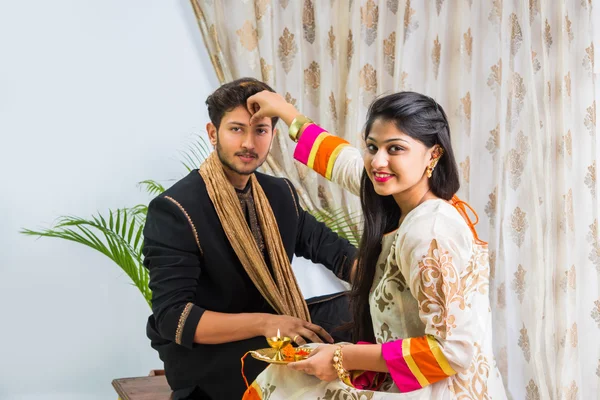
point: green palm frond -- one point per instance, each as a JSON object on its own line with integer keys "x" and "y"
{"x": 118, "y": 236}
{"x": 346, "y": 226}
{"x": 153, "y": 188}
{"x": 196, "y": 153}
{"x": 118, "y": 233}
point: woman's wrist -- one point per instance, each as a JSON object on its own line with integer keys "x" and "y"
{"x": 288, "y": 114}
{"x": 338, "y": 364}
{"x": 348, "y": 358}
{"x": 297, "y": 126}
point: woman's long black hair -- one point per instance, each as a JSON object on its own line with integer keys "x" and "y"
{"x": 423, "y": 119}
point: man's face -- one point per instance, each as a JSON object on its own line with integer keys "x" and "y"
{"x": 241, "y": 148}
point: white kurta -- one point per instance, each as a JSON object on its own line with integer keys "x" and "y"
{"x": 432, "y": 278}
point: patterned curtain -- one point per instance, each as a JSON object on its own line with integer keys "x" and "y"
{"x": 518, "y": 81}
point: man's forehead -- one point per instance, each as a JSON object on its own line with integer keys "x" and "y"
{"x": 241, "y": 116}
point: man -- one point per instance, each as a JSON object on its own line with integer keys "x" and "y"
{"x": 218, "y": 246}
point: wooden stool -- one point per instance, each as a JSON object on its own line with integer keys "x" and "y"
{"x": 151, "y": 387}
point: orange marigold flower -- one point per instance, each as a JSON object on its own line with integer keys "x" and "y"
{"x": 289, "y": 351}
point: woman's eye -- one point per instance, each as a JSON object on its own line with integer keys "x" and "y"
{"x": 371, "y": 148}
{"x": 396, "y": 148}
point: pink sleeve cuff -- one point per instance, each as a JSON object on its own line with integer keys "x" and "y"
{"x": 367, "y": 380}
{"x": 319, "y": 150}
{"x": 306, "y": 142}
{"x": 401, "y": 373}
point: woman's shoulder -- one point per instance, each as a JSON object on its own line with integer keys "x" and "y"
{"x": 435, "y": 220}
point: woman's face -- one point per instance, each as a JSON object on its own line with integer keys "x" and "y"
{"x": 394, "y": 161}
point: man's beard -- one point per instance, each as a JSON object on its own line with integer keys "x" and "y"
{"x": 229, "y": 165}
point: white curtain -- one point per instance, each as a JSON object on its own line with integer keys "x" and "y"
{"x": 518, "y": 81}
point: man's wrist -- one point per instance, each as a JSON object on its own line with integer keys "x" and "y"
{"x": 259, "y": 322}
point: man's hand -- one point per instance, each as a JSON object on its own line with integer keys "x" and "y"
{"x": 298, "y": 330}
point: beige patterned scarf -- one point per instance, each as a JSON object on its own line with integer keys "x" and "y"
{"x": 282, "y": 293}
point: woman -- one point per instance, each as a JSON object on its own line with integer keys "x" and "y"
{"x": 420, "y": 290}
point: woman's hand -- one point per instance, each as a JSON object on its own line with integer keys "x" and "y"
{"x": 319, "y": 363}
{"x": 267, "y": 104}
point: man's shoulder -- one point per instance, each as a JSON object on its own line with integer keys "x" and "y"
{"x": 280, "y": 192}
{"x": 269, "y": 182}
{"x": 188, "y": 188}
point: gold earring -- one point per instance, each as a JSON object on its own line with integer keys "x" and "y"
{"x": 431, "y": 166}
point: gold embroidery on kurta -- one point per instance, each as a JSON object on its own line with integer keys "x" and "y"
{"x": 472, "y": 384}
{"x": 189, "y": 220}
{"x": 293, "y": 198}
{"x": 441, "y": 287}
{"x": 182, "y": 318}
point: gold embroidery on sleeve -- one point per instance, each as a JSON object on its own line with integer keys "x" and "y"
{"x": 293, "y": 198}
{"x": 189, "y": 220}
{"x": 181, "y": 323}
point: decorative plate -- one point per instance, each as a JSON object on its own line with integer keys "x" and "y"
{"x": 268, "y": 354}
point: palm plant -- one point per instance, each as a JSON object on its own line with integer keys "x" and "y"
{"x": 346, "y": 226}
{"x": 118, "y": 233}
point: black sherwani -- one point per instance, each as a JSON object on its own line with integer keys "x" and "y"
{"x": 193, "y": 268}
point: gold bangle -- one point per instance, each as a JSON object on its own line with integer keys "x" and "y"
{"x": 296, "y": 126}
{"x": 338, "y": 364}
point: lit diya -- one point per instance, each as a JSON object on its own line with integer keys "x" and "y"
{"x": 281, "y": 351}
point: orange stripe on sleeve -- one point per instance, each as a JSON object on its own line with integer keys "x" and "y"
{"x": 324, "y": 153}
{"x": 425, "y": 360}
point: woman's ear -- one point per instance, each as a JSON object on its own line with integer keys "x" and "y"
{"x": 436, "y": 152}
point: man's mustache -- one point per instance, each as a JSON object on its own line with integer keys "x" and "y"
{"x": 247, "y": 154}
